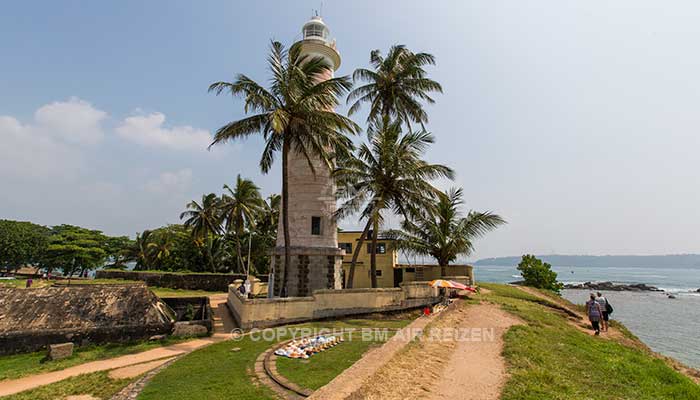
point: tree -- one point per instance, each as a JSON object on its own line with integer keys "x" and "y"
{"x": 205, "y": 221}
{"x": 241, "y": 206}
{"x": 117, "y": 249}
{"x": 295, "y": 114}
{"x": 538, "y": 274}
{"x": 396, "y": 86}
{"x": 21, "y": 243}
{"x": 444, "y": 234}
{"x": 265, "y": 235}
{"x": 140, "y": 251}
{"x": 387, "y": 174}
{"x": 75, "y": 249}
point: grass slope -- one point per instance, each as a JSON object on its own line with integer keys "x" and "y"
{"x": 19, "y": 365}
{"x": 550, "y": 359}
{"x": 97, "y": 384}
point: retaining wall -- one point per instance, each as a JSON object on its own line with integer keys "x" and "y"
{"x": 174, "y": 280}
{"x": 328, "y": 303}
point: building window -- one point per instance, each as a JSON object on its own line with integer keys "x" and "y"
{"x": 346, "y": 246}
{"x": 411, "y": 270}
{"x": 378, "y": 272}
{"x": 315, "y": 225}
{"x": 381, "y": 248}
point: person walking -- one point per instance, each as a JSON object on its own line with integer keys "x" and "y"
{"x": 603, "y": 303}
{"x": 594, "y": 313}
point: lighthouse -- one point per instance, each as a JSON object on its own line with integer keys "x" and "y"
{"x": 316, "y": 260}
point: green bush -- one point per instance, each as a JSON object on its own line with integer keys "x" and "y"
{"x": 538, "y": 274}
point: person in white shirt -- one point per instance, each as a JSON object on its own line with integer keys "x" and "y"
{"x": 603, "y": 302}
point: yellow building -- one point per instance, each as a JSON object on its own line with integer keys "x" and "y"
{"x": 391, "y": 273}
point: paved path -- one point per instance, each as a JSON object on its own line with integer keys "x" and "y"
{"x": 146, "y": 360}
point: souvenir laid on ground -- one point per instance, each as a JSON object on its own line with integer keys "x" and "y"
{"x": 304, "y": 348}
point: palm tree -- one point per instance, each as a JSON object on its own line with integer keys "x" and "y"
{"x": 140, "y": 250}
{"x": 396, "y": 85}
{"x": 446, "y": 235}
{"x": 294, "y": 114}
{"x": 205, "y": 221}
{"x": 241, "y": 207}
{"x": 387, "y": 174}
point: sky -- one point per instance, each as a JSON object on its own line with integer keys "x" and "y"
{"x": 577, "y": 121}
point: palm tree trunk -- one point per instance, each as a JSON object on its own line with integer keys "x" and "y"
{"x": 285, "y": 215}
{"x": 356, "y": 253}
{"x": 211, "y": 259}
{"x": 443, "y": 270}
{"x": 238, "y": 253}
{"x": 373, "y": 254}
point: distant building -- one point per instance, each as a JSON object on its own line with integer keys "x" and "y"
{"x": 390, "y": 273}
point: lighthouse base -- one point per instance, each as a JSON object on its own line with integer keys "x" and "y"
{"x": 311, "y": 268}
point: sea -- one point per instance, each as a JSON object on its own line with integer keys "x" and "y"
{"x": 668, "y": 326}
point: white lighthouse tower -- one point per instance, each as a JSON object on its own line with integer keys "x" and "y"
{"x": 316, "y": 260}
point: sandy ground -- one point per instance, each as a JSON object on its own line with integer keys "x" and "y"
{"x": 476, "y": 370}
{"x": 442, "y": 367}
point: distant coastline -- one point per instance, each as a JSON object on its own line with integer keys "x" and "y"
{"x": 656, "y": 261}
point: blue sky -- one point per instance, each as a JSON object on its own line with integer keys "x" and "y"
{"x": 577, "y": 121}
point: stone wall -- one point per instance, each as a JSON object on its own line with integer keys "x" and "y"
{"x": 201, "y": 306}
{"x": 209, "y": 282}
{"x": 312, "y": 268}
{"x": 31, "y": 319}
{"x": 260, "y": 313}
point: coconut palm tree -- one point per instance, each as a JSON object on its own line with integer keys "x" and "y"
{"x": 294, "y": 114}
{"x": 140, "y": 250}
{"x": 240, "y": 207}
{"x": 395, "y": 86}
{"x": 205, "y": 221}
{"x": 445, "y": 235}
{"x": 387, "y": 174}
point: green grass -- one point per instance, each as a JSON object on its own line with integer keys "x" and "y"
{"x": 216, "y": 372}
{"x": 321, "y": 368}
{"x": 97, "y": 384}
{"x": 19, "y": 365}
{"x": 550, "y": 359}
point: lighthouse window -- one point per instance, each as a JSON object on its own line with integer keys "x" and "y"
{"x": 314, "y": 30}
{"x": 315, "y": 225}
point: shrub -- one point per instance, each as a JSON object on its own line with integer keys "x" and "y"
{"x": 538, "y": 274}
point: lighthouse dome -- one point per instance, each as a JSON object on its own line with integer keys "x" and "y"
{"x": 315, "y": 29}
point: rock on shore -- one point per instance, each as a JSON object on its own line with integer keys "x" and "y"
{"x": 614, "y": 287}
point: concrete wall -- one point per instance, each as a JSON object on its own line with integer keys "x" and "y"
{"x": 260, "y": 313}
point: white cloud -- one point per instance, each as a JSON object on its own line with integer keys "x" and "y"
{"x": 172, "y": 182}
{"x": 26, "y": 152}
{"x": 148, "y": 130}
{"x": 75, "y": 121}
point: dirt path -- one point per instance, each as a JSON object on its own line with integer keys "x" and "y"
{"x": 476, "y": 370}
{"x": 458, "y": 357}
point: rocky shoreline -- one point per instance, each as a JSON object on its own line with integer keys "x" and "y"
{"x": 613, "y": 287}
